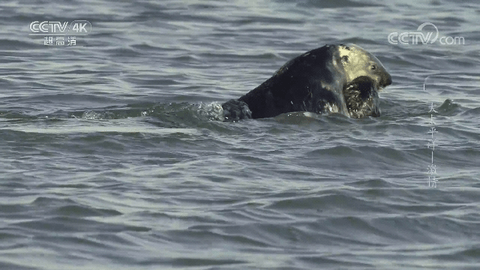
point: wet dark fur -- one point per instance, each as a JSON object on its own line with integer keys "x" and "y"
{"x": 309, "y": 83}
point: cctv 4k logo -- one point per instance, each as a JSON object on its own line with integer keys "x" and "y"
{"x": 77, "y": 27}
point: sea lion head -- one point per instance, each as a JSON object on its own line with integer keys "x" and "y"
{"x": 357, "y": 62}
{"x": 364, "y": 76}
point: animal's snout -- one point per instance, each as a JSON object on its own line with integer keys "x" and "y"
{"x": 386, "y": 80}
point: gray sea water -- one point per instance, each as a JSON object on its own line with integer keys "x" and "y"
{"x": 112, "y": 157}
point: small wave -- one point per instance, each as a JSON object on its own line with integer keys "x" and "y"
{"x": 336, "y": 4}
{"x": 7, "y": 44}
{"x": 213, "y": 111}
{"x": 472, "y": 112}
{"x": 162, "y": 114}
{"x": 450, "y": 108}
{"x": 102, "y": 129}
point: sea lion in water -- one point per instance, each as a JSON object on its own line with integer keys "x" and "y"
{"x": 332, "y": 79}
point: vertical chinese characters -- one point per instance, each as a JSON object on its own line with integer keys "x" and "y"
{"x": 432, "y": 168}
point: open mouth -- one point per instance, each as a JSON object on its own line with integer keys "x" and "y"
{"x": 361, "y": 97}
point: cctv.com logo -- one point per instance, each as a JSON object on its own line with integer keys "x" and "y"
{"x": 427, "y": 33}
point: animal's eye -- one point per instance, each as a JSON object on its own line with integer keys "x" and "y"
{"x": 373, "y": 67}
